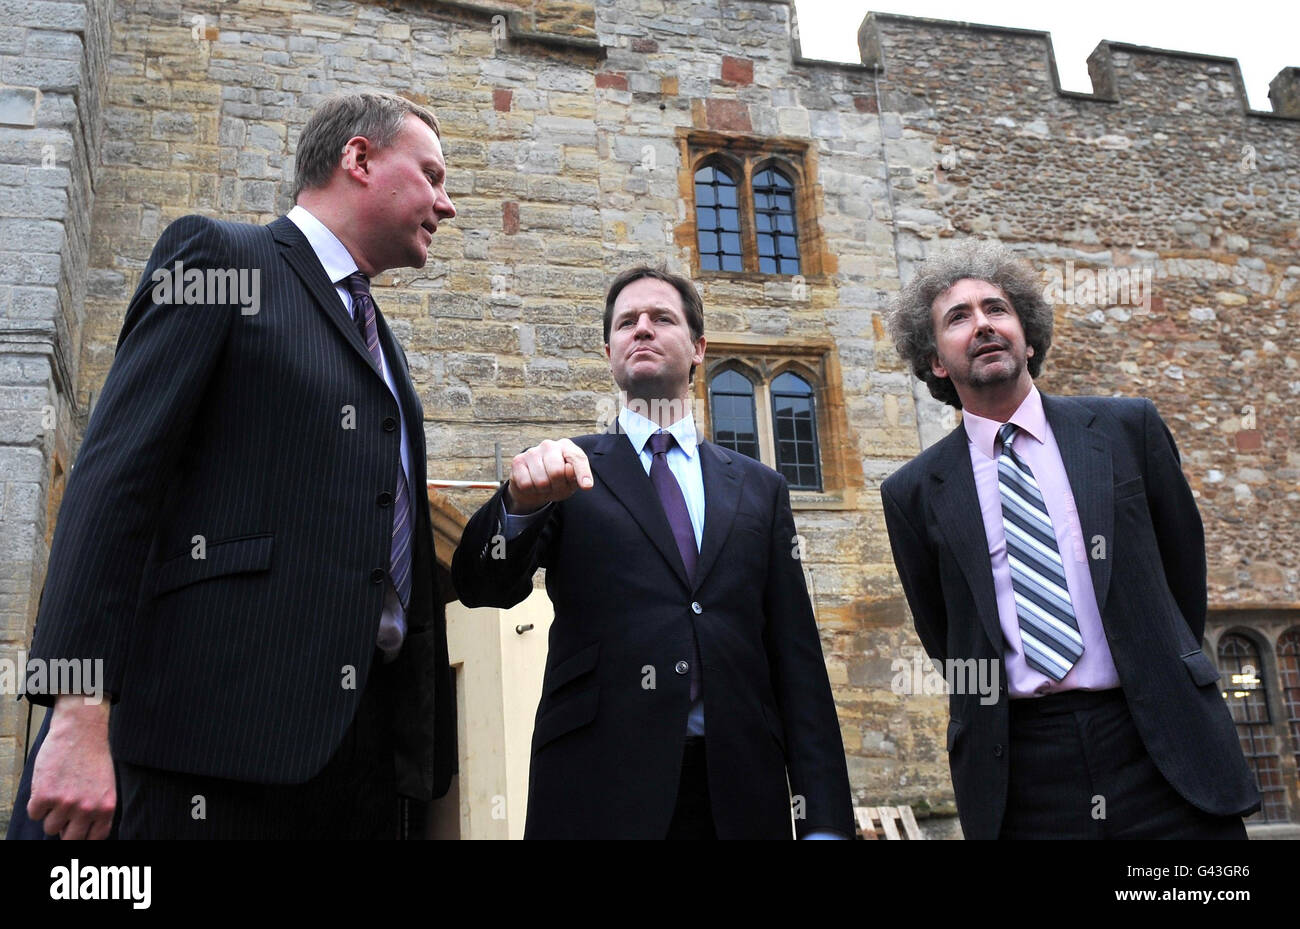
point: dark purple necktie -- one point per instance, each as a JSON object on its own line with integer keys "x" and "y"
{"x": 400, "y": 552}
{"x": 679, "y": 518}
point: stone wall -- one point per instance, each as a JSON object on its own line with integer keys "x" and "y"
{"x": 1164, "y": 171}
{"x": 52, "y": 67}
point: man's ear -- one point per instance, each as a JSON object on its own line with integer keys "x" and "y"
{"x": 1029, "y": 351}
{"x": 357, "y": 152}
{"x": 938, "y": 369}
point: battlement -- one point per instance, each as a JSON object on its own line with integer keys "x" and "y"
{"x": 933, "y": 59}
{"x": 1019, "y": 65}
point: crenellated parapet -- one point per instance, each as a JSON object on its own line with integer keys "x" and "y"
{"x": 1017, "y": 67}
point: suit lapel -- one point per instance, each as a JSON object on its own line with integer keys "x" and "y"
{"x": 722, "y": 481}
{"x": 412, "y": 410}
{"x": 956, "y": 507}
{"x": 297, "y": 251}
{"x": 614, "y": 462}
{"x": 1085, "y": 452}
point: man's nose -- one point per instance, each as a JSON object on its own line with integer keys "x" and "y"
{"x": 982, "y": 321}
{"x": 643, "y": 326}
{"x": 444, "y": 207}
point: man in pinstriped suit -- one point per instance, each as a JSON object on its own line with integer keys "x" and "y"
{"x": 245, "y": 541}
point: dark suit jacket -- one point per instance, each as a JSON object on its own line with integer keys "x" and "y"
{"x": 607, "y": 744}
{"x": 234, "y": 427}
{"x": 1130, "y": 491}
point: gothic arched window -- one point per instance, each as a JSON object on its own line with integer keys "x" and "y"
{"x": 794, "y": 424}
{"x": 774, "y": 221}
{"x": 717, "y": 219}
{"x": 1243, "y": 688}
{"x": 731, "y": 408}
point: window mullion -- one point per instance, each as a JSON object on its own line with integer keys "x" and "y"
{"x": 748, "y": 225}
{"x": 766, "y": 432}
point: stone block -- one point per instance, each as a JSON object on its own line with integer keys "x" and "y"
{"x": 17, "y": 106}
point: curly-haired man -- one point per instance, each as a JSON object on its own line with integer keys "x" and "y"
{"x": 1056, "y": 539}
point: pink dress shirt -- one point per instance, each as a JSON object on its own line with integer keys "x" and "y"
{"x": 1036, "y": 446}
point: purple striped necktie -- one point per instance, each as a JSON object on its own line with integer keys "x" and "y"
{"x": 400, "y": 551}
{"x": 1049, "y": 630}
{"x": 679, "y": 519}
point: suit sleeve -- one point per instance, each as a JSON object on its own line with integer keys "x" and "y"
{"x": 166, "y": 354}
{"x": 490, "y": 569}
{"x": 1177, "y": 522}
{"x": 919, "y": 573}
{"x": 815, "y": 759}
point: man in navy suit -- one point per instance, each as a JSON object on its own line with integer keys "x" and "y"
{"x": 1057, "y": 539}
{"x": 685, "y": 693}
{"x": 245, "y": 541}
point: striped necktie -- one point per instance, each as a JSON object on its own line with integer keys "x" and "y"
{"x": 1048, "y": 629}
{"x": 400, "y": 551}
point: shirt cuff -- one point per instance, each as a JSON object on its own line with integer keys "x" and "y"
{"x": 513, "y": 525}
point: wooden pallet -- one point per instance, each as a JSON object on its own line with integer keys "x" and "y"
{"x": 876, "y": 822}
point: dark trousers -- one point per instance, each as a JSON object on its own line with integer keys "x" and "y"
{"x": 693, "y": 815}
{"x": 353, "y": 797}
{"x": 1079, "y": 770}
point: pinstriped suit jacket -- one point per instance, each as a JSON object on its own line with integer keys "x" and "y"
{"x": 271, "y": 436}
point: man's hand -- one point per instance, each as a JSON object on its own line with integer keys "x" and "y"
{"x": 546, "y": 473}
{"x": 73, "y": 788}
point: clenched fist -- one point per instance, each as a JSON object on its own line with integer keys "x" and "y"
{"x": 73, "y": 789}
{"x": 547, "y": 473}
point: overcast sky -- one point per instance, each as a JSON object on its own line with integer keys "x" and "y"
{"x": 1263, "y": 36}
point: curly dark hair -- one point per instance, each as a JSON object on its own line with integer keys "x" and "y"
{"x": 911, "y": 325}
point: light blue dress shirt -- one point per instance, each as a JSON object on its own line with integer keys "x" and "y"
{"x": 684, "y": 462}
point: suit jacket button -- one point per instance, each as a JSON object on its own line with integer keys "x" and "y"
{"x": 389, "y": 424}
{"x": 384, "y": 499}
{"x": 683, "y": 667}
{"x": 997, "y": 751}
{"x": 696, "y": 608}
{"x": 377, "y": 576}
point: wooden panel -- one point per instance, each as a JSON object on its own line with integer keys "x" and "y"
{"x": 887, "y": 816}
{"x": 909, "y": 823}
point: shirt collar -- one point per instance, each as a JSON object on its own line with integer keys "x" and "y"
{"x": 639, "y": 429}
{"x": 1029, "y": 418}
{"x": 333, "y": 254}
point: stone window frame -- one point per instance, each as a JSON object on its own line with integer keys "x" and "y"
{"x": 762, "y": 359}
{"x": 743, "y": 156}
